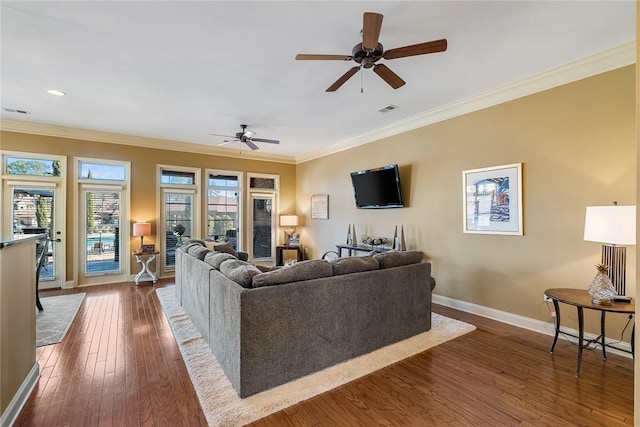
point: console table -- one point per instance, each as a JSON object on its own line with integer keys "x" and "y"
{"x": 351, "y": 249}
{"x": 144, "y": 259}
{"x": 581, "y": 299}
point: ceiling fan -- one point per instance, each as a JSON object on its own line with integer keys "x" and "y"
{"x": 370, "y": 51}
{"x": 246, "y": 136}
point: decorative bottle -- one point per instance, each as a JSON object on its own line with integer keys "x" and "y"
{"x": 601, "y": 288}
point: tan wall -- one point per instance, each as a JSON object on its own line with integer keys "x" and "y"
{"x": 143, "y": 175}
{"x": 578, "y": 148}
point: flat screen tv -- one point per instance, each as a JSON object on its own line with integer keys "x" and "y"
{"x": 377, "y": 188}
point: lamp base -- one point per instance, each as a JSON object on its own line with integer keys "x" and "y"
{"x": 615, "y": 257}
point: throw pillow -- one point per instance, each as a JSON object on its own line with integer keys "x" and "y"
{"x": 355, "y": 264}
{"x": 214, "y": 259}
{"x": 185, "y": 247}
{"x": 239, "y": 271}
{"x": 396, "y": 259}
{"x": 198, "y": 251}
{"x": 299, "y": 271}
{"x": 222, "y": 247}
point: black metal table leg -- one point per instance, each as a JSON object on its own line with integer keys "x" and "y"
{"x": 580, "y": 338}
{"x": 604, "y": 347}
{"x": 556, "y": 307}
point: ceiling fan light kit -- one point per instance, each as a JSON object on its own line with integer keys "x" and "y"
{"x": 370, "y": 51}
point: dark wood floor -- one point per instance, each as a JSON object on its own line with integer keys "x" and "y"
{"x": 120, "y": 366}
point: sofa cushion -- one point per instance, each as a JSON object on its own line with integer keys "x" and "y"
{"x": 303, "y": 270}
{"x": 214, "y": 258}
{"x": 221, "y": 247}
{"x": 239, "y": 271}
{"x": 396, "y": 259}
{"x": 198, "y": 251}
{"x": 353, "y": 264}
{"x": 265, "y": 268}
{"x": 186, "y": 246}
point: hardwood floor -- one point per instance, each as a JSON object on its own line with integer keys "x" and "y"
{"x": 120, "y": 366}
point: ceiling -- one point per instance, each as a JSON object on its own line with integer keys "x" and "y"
{"x": 179, "y": 71}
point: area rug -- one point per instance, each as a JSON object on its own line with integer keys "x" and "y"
{"x": 222, "y": 406}
{"x": 54, "y": 321}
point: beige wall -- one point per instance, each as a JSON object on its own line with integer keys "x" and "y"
{"x": 143, "y": 175}
{"x": 578, "y": 148}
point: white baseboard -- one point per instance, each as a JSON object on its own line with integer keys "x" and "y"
{"x": 20, "y": 398}
{"x": 547, "y": 328}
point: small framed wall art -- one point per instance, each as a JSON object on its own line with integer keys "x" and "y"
{"x": 148, "y": 249}
{"x": 492, "y": 200}
{"x": 320, "y": 206}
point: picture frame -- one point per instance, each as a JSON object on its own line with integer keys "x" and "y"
{"x": 146, "y": 249}
{"x": 320, "y": 206}
{"x": 492, "y": 200}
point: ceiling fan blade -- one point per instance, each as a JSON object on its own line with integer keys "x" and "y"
{"x": 346, "y": 76}
{"x": 270, "y": 141}
{"x": 416, "y": 49}
{"x": 228, "y": 141}
{"x": 251, "y": 144}
{"x": 316, "y": 57}
{"x": 371, "y": 25}
{"x": 224, "y": 136}
{"x": 388, "y": 76}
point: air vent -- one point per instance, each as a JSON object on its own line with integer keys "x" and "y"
{"x": 388, "y": 108}
{"x": 13, "y": 110}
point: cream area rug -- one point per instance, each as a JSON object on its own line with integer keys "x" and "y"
{"x": 54, "y": 321}
{"x": 222, "y": 406}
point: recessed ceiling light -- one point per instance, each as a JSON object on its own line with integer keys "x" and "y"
{"x": 56, "y": 92}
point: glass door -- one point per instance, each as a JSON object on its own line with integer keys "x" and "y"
{"x": 178, "y": 223}
{"x": 35, "y": 209}
{"x": 101, "y": 231}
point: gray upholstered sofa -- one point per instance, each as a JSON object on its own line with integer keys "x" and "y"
{"x": 268, "y": 328}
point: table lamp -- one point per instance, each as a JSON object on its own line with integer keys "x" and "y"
{"x": 289, "y": 222}
{"x": 141, "y": 229}
{"x": 613, "y": 226}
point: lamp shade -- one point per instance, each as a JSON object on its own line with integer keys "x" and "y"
{"x": 288, "y": 220}
{"x": 141, "y": 229}
{"x": 615, "y": 225}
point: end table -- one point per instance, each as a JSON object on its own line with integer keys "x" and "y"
{"x": 144, "y": 259}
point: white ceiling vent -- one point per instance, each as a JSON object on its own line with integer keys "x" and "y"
{"x": 388, "y": 108}
{"x": 14, "y": 110}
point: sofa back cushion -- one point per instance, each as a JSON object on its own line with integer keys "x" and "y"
{"x": 214, "y": 258}
{"x": 239, "y": 271}
{"x": 396, "y": 259}
{"x": 355, "y": 264}
{"x": 296, "y": 272}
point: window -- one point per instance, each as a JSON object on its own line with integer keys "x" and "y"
{"x": 31, "y": 166}
{"x": 263, "y": 197}
{"x": 223, "y": 207}
{"x": 179, "y": 210}
{"x": 102, "y": 172}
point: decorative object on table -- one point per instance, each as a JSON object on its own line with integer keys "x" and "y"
{"x": 373, "y": 241}
{"x": 492, "y": 200}
{"x": 613, "y": 226}
{"x": 394, "y": 244}
{"x": 402, "y": 246}
{"x": 290, "y": 222}
{"x": 601, "y": 288}
{"x": 354, "y": 238}
{"x": 147, "y": 249}
{"x": 320, "y": 206}
{"x": 142, "y": 229}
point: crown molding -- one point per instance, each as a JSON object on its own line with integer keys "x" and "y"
{"x": 136, "y": 141}
{"x": 599, "y": 63}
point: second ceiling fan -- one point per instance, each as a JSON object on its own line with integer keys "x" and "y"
{"x": 370, "y": 51}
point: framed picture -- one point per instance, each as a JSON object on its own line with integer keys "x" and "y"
{"x": 148, "y": 249}
{"x": 492, "y": 200}
{"x": 320, "y": 206}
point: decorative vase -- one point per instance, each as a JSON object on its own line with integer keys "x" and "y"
{"x": 394, "y": 246}
{"x": 349, "y": 235}
{"x": 401, "y": 244}
{"x": 601, "y": 288}
{"x": 354, "y": 238}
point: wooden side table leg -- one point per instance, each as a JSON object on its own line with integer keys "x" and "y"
{"x": 580, "y": 338}
{"x": 556, "y": 307}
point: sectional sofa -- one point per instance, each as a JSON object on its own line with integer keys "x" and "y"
{"x": 268, "y": 328}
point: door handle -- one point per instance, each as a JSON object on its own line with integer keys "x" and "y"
{"x": 58, "y": 240}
